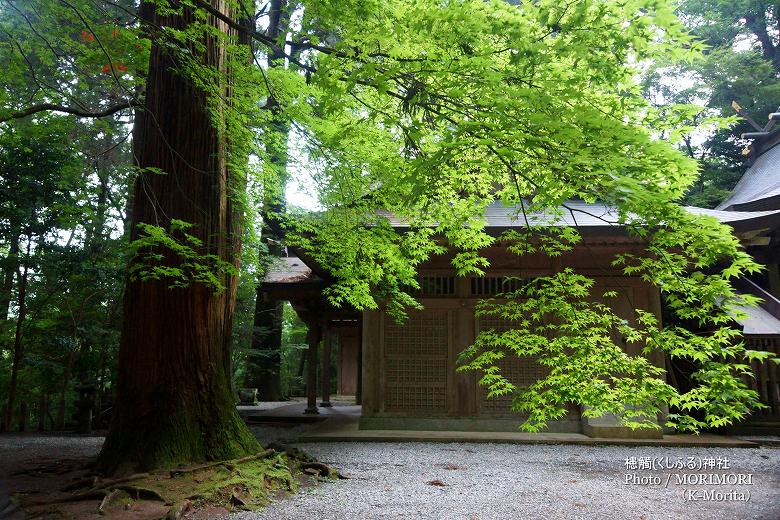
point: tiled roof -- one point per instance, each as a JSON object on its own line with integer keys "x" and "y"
{"x": 759, "y": 321}
{"x": 586, "y": 215}
{"x": 288, "y": 270}
{"x": 593, "y": 216}
{"x": 759, "y": 187}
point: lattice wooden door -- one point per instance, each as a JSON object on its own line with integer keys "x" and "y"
{"x": 415, "y": 363}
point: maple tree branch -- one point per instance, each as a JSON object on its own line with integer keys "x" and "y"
{"x": 78, "y": 112}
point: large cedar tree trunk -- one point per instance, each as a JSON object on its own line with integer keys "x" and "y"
{"x": 174, "y": 402}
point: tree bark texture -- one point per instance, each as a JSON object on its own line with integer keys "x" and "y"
{"x": 10, "y": 266}
{"x": 174, "y": 402}
{"x": 18, "y": 352}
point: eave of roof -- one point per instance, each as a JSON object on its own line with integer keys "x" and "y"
{"x": 591, "y": 219}
{"x": 598, "y": 218}
{"x": 758, "y": 321}
{"x": 288, "y": 270}
{"x": 759, "y": 187}
{"x": 741, "y": 221}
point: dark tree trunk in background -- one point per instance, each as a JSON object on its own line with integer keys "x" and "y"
{"x": 64, "y": 387}
{"x": 174, "y": 402}
{"x": 264, "y": 359}
{"x": 94, "y": 236}
{"x": 766, "y": 31}
{"x": 43, "y": 410}
{"x": 10, "y": 266}
{"x": 757, "y": 23}
{"x": 23, "y": 415}
{"x": 18, "y": 351}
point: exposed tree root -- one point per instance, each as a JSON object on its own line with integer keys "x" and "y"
{"x": 81, "y": 483}
{"x": 141, "y": 493}
{"x": 293, "y": 453}
{"x": 178, "y": 510}
{"x": 108, "y": 483}
{"x": 245, "y": 483}
{"x": 262, "y": 455}
{"x": 102, "y": 488}
{"x": 107, "y": 500}
{"x": 228, "y": 464}
{"x": 96, "y": 482}
{"x": 321, "y": 470}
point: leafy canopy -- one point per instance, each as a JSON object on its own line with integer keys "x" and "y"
{"x": 432, "y": 110}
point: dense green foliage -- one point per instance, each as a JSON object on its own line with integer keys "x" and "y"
{"x": 531, "y": 105}
{"x": 62, "y": 264}
{"x": 741, "y": 63}
{"x": 64, "y": 201}
{"x": 432, "y": 111}
{"x": 292, "y": 349}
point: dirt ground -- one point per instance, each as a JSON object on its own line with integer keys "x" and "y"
{"x": 41, "y": 470}
{"x": 37, "y": 466}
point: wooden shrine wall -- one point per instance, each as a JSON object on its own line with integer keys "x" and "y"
{"x": 409, "y": 368}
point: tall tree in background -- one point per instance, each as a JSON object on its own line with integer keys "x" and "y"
{"x": 264, "y": 356}
{"x": 41, "y": 174}
{"x": 741, "y": 63}
{"x": 62, "y": 57}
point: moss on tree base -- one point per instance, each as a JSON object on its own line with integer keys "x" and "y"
{"x": 245, "y": 483}
{"x": 197, "y": 431}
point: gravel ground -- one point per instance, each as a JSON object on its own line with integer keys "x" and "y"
{"x": 16, "y": 450}
{"x": 484, "y": 481}
{"x": 505, "y": 481}
{"x": 265, "y": 406}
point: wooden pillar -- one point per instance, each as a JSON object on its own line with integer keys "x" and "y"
{"x": 370, "y": 391}
{"x": 43, "y": 410}
{"x": 313, "y": 339}
{"x": 462, "y": 390}
{"x": 326, "y": 351}
{"x": 359, "y": 387}
{"x": 23, "y": 416}
{"x": 773, "y": 274}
